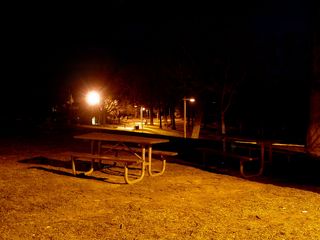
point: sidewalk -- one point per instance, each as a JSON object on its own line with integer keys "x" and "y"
{"x": 130, "y": 126}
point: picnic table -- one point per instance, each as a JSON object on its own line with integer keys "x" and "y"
{"x": 251, "y": 145}
{"x": 138, "y": 149}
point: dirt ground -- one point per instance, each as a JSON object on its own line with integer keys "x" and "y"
{"x": 40, "y": 199}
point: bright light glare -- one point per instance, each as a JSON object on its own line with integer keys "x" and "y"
{"x": 93, "y": 98}
{"x": 192, "y": 100}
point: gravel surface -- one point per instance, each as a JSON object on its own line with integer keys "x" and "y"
{"x": 40, "y": 199}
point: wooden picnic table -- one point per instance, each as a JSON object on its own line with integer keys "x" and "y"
{"x": 123, "y": 142}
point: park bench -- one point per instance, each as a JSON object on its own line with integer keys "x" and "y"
{"x": 206, "y": 151}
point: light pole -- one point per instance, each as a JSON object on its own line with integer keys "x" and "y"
{"x": 93, "y": 99}
{"x": 185, "y": 114}
{"x": 141, "y": 116}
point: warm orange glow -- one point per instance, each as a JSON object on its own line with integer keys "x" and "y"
{"x": 192, "y": 100}
{"x": 93, "y": 98}
{"x": 288, "y": 145}
{"x": 246, "y": 142}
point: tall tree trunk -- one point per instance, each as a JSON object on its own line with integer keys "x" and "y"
{"x": 223, "y": 123}
{"x": 103, "y": 113}
{"x": 188, "y": 122}
{"x": 165, "y": 117}
{"x": 197, "y": 125}
{"x": 151, "y": 115}
{"x": 173, "y": 119}
{"x": 223, "y": 132}
{"x": 313, "y": 135}
{"x": 160, "y": 118}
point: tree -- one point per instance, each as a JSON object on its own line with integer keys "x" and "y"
{"x": 228, "y": 73}
{"x": 110, "y": 109}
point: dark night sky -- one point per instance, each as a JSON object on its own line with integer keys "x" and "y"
{"x": 43, "y": 42}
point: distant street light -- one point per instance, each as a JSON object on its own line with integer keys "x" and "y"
{"x": 93, "y": 99}
{"x": 185, "y": 114}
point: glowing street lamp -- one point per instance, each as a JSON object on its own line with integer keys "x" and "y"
{"x": 185, "y": 114}
{"x": 93, "y": 99}
{"x": 141, "y": 116}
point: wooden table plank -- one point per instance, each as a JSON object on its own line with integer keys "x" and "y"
{"x": 121, "y": 138}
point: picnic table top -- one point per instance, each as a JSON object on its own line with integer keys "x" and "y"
{"x": 97, "y": 136}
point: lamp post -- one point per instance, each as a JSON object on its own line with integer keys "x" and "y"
{"x": 93, "y": 99}
{"x": 141, "y": 116}
{"x": 185, "y": 114}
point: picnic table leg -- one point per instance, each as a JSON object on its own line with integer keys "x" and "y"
{"x": 142, "y": 173}
{"x": 73, "y": 166}
{"x": 153, "y": 174}
{"x": 99, "y": 147}
{"x": 92, "y": 146}
{"x": 261, "y": 168}
{"x": 91, "y": 169}
{"x": 100, "y": 165}
{"x": 74, "y": 171}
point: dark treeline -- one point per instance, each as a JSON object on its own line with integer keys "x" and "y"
{"x": 246, "y": 65}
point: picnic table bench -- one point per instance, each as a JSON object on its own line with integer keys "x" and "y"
{"x": 245, "y": 150}
{"x": 288, "y": 149}
{"x": 152, "y": 154}
{"x": 243, "y": 159}
{"x": 161, "y": 153}
{"x": 92, "y": 157}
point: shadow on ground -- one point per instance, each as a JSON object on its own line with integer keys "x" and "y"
{"x": 301, "y": 174}
{"x": 82, "y": 166}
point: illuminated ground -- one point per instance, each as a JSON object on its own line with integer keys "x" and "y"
{"x": 129, "y": 125}
{"x": 40, "y": 199}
